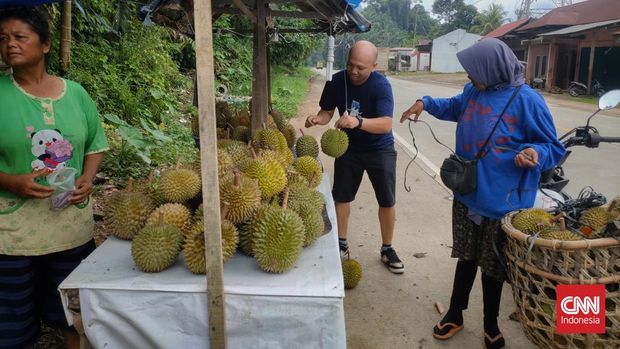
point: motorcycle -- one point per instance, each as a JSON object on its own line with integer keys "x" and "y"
{"x": 551, "y": 194}
{"x": 576, "y": 89}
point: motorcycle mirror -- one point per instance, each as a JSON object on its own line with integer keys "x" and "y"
{"x": 609, "y": 100}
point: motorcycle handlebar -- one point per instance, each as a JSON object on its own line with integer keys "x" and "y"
{"x": 609, "y": 139}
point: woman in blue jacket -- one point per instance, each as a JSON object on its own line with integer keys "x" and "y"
{"x": 506, "y": 180}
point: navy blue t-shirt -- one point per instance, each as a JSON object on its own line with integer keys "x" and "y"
{"x": 375, "y": 100}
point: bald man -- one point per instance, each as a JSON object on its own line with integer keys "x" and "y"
{"x": 365, "y": 104}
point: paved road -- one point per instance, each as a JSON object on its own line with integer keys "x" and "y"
{"x": 599, "y": 168}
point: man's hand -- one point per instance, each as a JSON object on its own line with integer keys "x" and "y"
{"x": 527, "y": 157}
{"x": 416, "y": 109}
{"x": 83, "y": 188}
{"x": 25, "y": 186}
{"x": 313, "y": 120}
{"x": 347, "y": 121}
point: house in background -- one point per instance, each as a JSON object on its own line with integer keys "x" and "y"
{"x": 421, "y": 56}
{"x": 579, "y": 42}
{"x": 507, "y": 33}
{"x": 445, "y": 48}
{"x": 400, "y": 59}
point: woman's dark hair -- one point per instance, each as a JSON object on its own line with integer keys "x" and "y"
{"x": 35, "y": 16}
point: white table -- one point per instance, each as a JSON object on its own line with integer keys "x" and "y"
{"x": 122, "y": 307}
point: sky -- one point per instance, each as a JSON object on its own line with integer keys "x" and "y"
{"x": 509, "y": 5}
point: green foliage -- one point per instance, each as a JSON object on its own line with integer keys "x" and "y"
{"x": 454, "y": 14}
{"x": 490, "y": 19}
{"x": 385, "y": 31}
{"x": 289, "y": 87}
{"x": 233, "y": 57}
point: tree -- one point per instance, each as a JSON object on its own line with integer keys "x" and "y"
{"x": 490, "y": 19}
{"x": 454, "y": 14}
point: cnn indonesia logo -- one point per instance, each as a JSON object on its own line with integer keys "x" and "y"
{"x": 580, "y": 309}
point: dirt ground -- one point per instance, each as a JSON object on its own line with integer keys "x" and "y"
{"x": 398, "y": 311}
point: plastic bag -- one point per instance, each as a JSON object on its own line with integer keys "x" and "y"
{"x": 63, "y": 181}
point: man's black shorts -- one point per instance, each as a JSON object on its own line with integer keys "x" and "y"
{"x": 381, "y": 168}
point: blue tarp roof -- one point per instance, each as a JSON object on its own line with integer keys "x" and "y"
{"x": 7, "y": 3}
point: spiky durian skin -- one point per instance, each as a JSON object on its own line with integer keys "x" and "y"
{"x": 307, "y": 146}
{"x": 280, "y": 156}
{"x": 334, "y": 142}
{"x": 270, "y": 175}
{"x": 300, "y": 194}
{"x": 194, "y": 246}
{"x": 126, "y": 213}
{"x": 556, "y": 233}
{"x": 178, "y": 186}
{"x": 596, "y": 218}
{"x": 246, "y": 230}
{"x": 237, "y": 150}
{"x": 173, "y": 214}
{"x": 351, "y": 273}
{"x": 278, "y": 240}
{"x": 292, "y": 177}
{"x": 529, "y": 221}
{"x": 614, "y": 205}
{"x": 230, "y": 240}
{"x": 270, "y": 139}
{"x": 310, "y": 168}
{"x": 243, "y": 199}
{"x": 199, "y": 213}
{"x": 223, "y": 114}
{"x": 289, "y": 133}
{"x": 242, "y": 134}
{"x": 278, "y": 119}
{"x": 156, "y": 247}
{"x": 313, "y": 223}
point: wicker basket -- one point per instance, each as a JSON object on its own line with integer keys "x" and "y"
{"x": 536, "y": 273}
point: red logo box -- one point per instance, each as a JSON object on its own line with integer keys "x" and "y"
{"x": 580, "y": 309}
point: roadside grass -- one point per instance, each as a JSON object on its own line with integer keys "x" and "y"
{"x": 288, "y": 88}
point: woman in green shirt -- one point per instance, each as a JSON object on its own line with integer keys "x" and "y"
{"x": 48, "y": 124}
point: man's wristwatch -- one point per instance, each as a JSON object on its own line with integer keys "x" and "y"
{"x": 360, "y": 120}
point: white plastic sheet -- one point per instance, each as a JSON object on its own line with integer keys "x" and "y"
{"x": 124, "y": 308}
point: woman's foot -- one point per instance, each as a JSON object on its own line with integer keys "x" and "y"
{"x": 448, "y": 326}
{"x": 494, "y": 342}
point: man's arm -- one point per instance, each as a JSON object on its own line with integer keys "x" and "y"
{"x": 380, "y": 125}
{"x": 321, "y": 118}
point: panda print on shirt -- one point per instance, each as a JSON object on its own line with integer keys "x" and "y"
{"x": 51, "y": 150}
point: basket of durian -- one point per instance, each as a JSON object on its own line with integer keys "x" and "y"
{"x": 544, "y": 250}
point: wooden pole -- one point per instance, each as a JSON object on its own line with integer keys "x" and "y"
{"x": 260, "y": 101}
{"x": 65, "y": 37}
{"x": 210, "y": 183}
{"x": 591, "y": 64}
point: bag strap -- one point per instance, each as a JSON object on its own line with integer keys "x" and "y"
{"x": 514, "y": 94}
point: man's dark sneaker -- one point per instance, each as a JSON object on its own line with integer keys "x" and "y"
{"x": 391, "y": 260}
{"x": 344, "y": 252}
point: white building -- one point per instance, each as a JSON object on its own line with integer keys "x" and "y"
{"x": 443, "y": 58}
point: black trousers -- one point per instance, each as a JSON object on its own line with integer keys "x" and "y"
{"x": 463, "y": 282}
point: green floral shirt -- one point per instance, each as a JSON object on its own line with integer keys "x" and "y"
{"x": 39, "y": 133}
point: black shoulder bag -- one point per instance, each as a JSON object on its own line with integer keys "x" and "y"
{"x": 459, "y": 174}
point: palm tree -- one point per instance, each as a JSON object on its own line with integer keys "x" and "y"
{"x": 490, "y": 19}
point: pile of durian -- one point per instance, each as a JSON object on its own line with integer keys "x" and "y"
{"x": 270, "y": 206}
{"x": 593, "y": 223}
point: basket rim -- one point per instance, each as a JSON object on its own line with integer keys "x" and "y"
{"x": 585, "y": 244}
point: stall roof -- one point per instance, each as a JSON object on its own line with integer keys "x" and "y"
{"x": 7, "y": 3}
{"x": 335, "y": 16}
{"x": 507, "y": 28}
{"x": 581, "y": 27}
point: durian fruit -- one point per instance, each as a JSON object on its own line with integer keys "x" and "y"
{"x": 222, "y": 134}
{"x": 199, "y": 213}
{"x": 278, "y": 239}
{"x": 278, "y": 119}
{"x": 299, "y": 194}
{"x": 126, "y": 212}
{"x": 246, "y": 230}
{"x": 270, "y": 139}
{"x": 289, "y": 133}
{"x": 241, "y": 118}
{"x": 173, "y": 214}
{"x": 555, "y": 232}
{"x": 148, "y": 186}
{"x": 313, "y": 222}
{"x": 334, "y": 142}
{"x": 614, "y": 205}
{"x": 156, "y": 247}
{"x": 179, "y": 185}
{"x": 310, "y": 168}
{"x": 242, "y": 196}
{"x": 307, "y": 146}
{"x": 225, "y": 163}
{"x": 270, "y": 175}
{"x": 596, "y": 218}
{"x": 351, "y": 273}
{"x": 222, "y": 114}
{"x": 531, "y": 220}
{"x": 237, "y": 150}
{"x": 194, "y": 246}
{"x": 293, "y": 176}
{"x": 241, "y": 133}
